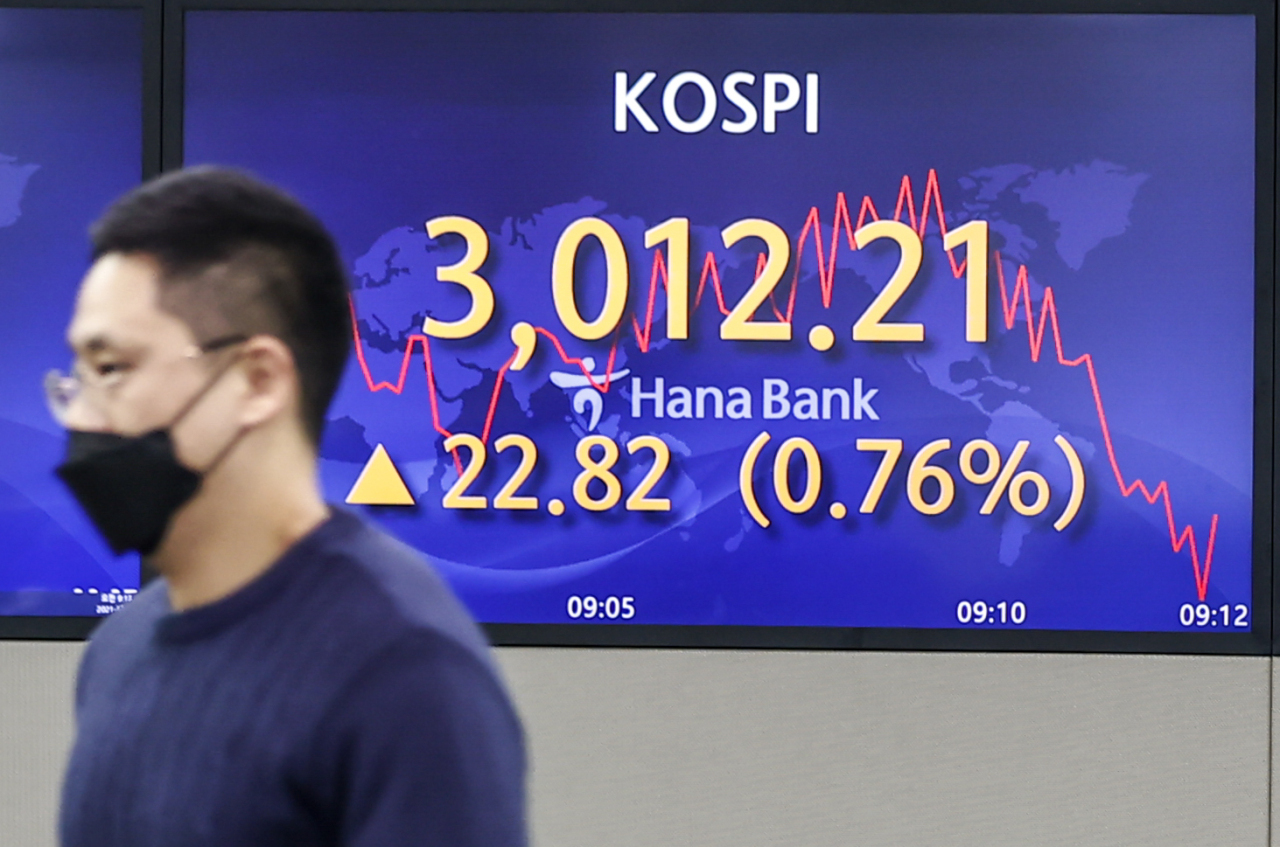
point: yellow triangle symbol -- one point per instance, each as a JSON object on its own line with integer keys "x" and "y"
{"x": 380, "y": 483}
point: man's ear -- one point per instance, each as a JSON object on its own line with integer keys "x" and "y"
{"x": 271, "y": 379}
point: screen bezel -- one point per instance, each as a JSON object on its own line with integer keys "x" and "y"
{"x": 164, "y": 111}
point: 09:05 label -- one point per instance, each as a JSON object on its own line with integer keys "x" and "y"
{"x": 601, "y": 608}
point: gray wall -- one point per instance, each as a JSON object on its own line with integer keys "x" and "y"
{"x": 662, "y": 748}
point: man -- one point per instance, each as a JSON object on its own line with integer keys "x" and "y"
{"x": 296, "y": 677}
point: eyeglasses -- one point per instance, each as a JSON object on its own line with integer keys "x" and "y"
{"x": 61, "y": 390}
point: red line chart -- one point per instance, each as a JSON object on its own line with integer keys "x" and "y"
{"x": 827, "y": 252}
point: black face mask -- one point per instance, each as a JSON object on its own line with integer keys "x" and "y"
{"x": 131, "y": 486}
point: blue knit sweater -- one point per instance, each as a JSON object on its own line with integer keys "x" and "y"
{"x": 343, "y": 698}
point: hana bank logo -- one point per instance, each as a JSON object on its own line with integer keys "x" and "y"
{"x": 584, "y": 393}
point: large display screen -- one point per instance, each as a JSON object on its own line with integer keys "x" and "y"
{"x": 853, "y": 321}
{"x": 70, "y": 141}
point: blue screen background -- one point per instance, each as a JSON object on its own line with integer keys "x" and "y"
{"x": 70, "y": 141}
{"x": 1113, "y": 156}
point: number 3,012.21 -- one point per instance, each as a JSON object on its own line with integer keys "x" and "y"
{"x": 739, "y": 323}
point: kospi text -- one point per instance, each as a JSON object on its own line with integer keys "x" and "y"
{"x": 776, "y": 92}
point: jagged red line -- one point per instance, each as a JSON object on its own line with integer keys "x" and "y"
{"x": 931, "y": 205}
{"x": 1035, "y": 341}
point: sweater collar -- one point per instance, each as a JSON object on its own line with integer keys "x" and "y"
{"x": 207, "y": 620}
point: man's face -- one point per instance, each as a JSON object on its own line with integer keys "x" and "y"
{"x": 141, "y": 365}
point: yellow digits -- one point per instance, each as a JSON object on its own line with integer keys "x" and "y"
{"x": 676, "y": 233}
{"x": 601, "y": 470}
{"x": 738, "y": 325}
{"x": 563, "y": 265}
{"x": 974, "y": 233}
{"x": 463, "y": 273}
{"x": 872, "y": 325}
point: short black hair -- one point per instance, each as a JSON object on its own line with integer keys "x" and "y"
{"x": 238, "y": 256}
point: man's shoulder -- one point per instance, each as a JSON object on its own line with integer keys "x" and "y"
{"x": 135, "y": 621}
{"x": 394, "y": 587}
{"x": 406, "y": 638}
{"x": 123, "y": 638}
{"x": 424, "y": 691}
